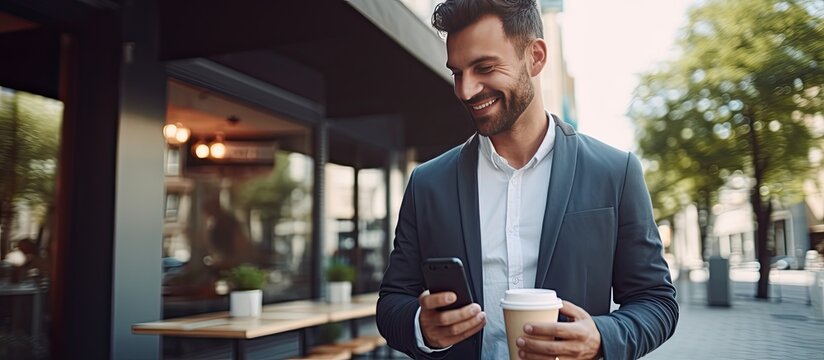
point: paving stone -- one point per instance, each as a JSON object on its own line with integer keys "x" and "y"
{"x": 782, "y": 327}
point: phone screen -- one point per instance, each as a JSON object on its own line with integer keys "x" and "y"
{"x": 447, "y": 274}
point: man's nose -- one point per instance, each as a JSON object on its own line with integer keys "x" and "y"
{"x": 467, "y": 87}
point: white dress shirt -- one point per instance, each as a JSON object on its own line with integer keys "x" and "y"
{"x": 511, "y": 206}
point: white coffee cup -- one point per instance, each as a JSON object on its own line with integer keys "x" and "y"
{"x": 522, "y": 306}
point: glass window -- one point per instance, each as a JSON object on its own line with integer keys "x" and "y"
{"x": 340, "y": 182}
{"x": 372, "y": 234}
{"x": 29, "y": 142}
{"x": 172, "y": 206}
{"x": 172, "y": 161}
{"x": 364, "y": 248}
{"x": 242, "y": 194}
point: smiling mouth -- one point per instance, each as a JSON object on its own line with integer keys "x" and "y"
{"x": 484, "y": 105}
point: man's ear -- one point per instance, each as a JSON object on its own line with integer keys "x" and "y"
{"x": 537, "y": 52}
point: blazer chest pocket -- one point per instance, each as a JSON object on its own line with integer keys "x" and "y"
{"x": 589, "y": 234}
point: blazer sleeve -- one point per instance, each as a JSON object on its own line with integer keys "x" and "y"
{"x": 641, "y": 282}
{"x": 403, "y": 283}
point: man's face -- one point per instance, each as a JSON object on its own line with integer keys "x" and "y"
{"x": 491, "y": 78}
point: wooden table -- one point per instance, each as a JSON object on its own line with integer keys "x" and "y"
{"x": 360, "y": 307}
{"x": 275, "y": 319}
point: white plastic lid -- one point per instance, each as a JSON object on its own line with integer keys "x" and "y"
{"x": 531, "y": 299}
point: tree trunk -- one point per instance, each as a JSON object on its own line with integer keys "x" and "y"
{"x": 762, "y": 215}
{"x": 703, "y": 206}
{"x": 761, "y": 209}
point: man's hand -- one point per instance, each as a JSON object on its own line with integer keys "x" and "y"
{"x": 445, "y": 328}
{"x": 578, "y": 339}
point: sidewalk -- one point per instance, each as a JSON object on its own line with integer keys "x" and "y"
{"x": 783, "y": 327}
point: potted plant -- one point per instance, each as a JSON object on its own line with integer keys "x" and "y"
{"x": 246, "y": 298}
{"x": 339, "y": 276}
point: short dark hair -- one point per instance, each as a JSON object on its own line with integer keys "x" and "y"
{"x": 521, "y": 18}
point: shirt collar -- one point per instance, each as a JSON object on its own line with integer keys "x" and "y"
{"x": 487, "y": 149}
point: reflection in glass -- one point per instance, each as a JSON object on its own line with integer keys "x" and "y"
{"x": 241, "y": 195}
{"x": 367, "y": 252}
{"x": 218, "y": 221}
{"x": 372, "y": 237}
{"x": 29, "y": 141}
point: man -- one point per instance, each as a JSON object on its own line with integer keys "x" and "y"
{"x": 525, "y": 202}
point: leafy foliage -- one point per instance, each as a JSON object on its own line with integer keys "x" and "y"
{"x": 270, "y": 195}
{"x": 29, "y": 141}
{"x": 340, "y": 271}
{"x": 744, "y": 95}
{"x": 30, "y": 128}
{"x": 246, "y": 277}
{"x": 742, "y": 68}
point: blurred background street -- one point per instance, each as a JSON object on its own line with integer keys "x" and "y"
{"x": 786, "y": 326}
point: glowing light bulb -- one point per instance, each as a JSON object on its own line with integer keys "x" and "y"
{"x": 202, "y": 151}
{"x": 218, "y": 150}
{"x": 182, "y": 134}
{"x": 169, "y": 131}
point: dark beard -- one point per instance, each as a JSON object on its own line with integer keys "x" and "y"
{"x": 522, "y": 95}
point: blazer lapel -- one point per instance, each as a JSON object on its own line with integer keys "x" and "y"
{"x": 470, "y": 220}
{"x": 560, "y": 185}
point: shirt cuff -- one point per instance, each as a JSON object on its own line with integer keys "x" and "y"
{"x": 419, "y": 335}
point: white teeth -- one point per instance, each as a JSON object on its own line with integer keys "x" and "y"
{"x": 490, "y": 102}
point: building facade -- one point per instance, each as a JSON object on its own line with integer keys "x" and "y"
{"x": 192, "y": 137}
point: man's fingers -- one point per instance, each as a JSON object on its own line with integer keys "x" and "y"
{"x": 434, "y": 301}
{"x": 577, "y": 339}
{"x": 450, "y": 317}
{"x": 557, "y": 330}
{"x": 574, "y": 312}
{"x": 443, "y": 336}
{"x": 533, "y": 356}
{"x": 544, "y": 346}
{"x": 467, "y": 324}
{"x": 476, "y": 324}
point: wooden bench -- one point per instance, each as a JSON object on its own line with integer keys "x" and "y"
{"x": 378, "y": 340}
{"x": 362, "y": 345}
{"x": 331, "y": 356}
{"x": 328, "y": 351}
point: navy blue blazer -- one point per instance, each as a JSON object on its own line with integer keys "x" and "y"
{"x": 598, "y": 234}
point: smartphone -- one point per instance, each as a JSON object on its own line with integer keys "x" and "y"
{"x": 447, "y": 274}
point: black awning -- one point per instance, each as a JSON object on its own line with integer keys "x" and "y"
{"x": 373, "y": 57}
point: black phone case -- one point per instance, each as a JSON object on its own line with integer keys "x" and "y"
{"x": 447, "y": 274}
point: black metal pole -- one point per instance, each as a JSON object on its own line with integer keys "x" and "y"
{"x": 321, "y": 149}
{"x": 356, "y": 247}
{"x": 239, "y": 349}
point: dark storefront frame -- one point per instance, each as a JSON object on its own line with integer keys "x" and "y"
{"x": 112, "y": 76}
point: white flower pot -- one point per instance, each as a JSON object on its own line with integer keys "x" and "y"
{"x": 245, "y": 303}
{"x": 339, "y": 292}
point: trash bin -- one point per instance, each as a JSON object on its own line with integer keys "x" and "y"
{"x": 718, "y": 285}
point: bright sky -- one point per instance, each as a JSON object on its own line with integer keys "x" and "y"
{"x": 607, "y": 44}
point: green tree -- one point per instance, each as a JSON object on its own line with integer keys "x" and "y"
{"x": 271, "y": 196}
{"x": 29, "y": 140}
{"x": 744, "y": 95}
